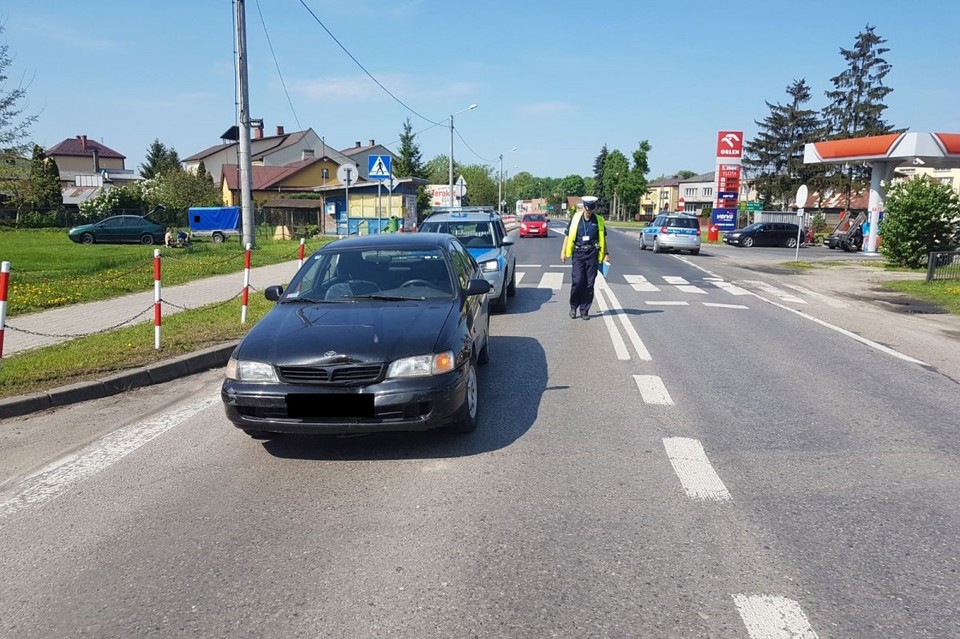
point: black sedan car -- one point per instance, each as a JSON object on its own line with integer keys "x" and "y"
{"x": 119, "y": 229}
{"x": 374, "y": 333}
{"x": 764, "y": 234}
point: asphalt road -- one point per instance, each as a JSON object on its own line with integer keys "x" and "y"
{"x": 712, "y": 464}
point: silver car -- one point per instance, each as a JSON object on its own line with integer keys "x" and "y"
{"x": 672, "y": 231}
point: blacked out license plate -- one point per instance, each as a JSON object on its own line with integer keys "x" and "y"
{"x": 329, "y": 406}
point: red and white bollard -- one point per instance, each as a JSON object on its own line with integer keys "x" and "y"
{"x": 302, "y": 240}
{"x": 246, "y": 285}
{"x": 156, "y": 299}
{"x": 4, "y": 284}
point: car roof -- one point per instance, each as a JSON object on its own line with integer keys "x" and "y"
{"x": 462, "y": 216}
{"x": 391, "y": 241}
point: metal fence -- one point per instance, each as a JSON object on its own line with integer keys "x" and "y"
{"x": 943, "y": 265}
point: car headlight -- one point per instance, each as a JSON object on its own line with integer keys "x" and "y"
{"x": 490, "y": 265}
{"x": 422, "y": 365}
{"x": 250, "y": 371}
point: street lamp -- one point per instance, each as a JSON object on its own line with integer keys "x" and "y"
{"x": 500, "y": 183}
{"x": 472, "y": 106}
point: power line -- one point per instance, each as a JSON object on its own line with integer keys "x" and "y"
{"x": 357, "y": 62}
{"x": 277, "y": 64}
{"x": 468, "y": 146}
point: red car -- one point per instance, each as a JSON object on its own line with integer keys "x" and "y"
{"x": 533, "y": 225}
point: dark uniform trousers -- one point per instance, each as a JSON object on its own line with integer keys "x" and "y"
{"x": 583, "y": 277}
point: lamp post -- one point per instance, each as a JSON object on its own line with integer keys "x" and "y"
{"x": 472, "y": 106}
{"x": 500, "y": 182}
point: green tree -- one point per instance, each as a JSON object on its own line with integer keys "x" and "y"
{"x": 436, "y": 171}
{"x": 14, "y": 123}
{"x": 481, "y": 185}
{"x": 685, "y": 173}
{"x": 615, "y": 172}
{"x": 44, "y": 181}
{"x": 179, "y": 190}
{"x": 525, "y": 185}
{"x": 129, "y": 198}
{"x": 599, "y": 184}
{"x": 573, "y": 185}
{"x": 856, "y": 103}
{"x": 160, "y": 159}
{"x": 634, "y": 186}
{"x": 409, "y": 162}
{"x": 202, "y": 172}
{"x": 773, "y": 159}
{"x": 922, "y": 215}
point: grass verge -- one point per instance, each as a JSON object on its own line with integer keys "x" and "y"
{"x": 945, "y": 293}
{"x": 96, "y": 356}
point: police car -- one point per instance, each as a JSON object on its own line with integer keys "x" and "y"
{"x": 672, "y": 231}
{"x": 484, "y": 235}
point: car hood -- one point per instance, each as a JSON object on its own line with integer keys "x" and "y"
{"x": 484, "y": 254}
{"x": 294, "y": 334}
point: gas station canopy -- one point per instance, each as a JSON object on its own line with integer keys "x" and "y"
{"x": 937, "y": 150}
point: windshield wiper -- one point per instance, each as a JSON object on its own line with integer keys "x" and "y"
{"x": 386, "y": 298}
{"x": 308, "y": 300}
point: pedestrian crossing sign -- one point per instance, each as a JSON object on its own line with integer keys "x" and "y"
{"x": 378, "y": 167}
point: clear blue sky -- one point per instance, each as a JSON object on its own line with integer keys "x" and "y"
{"x": 556, "y": 79}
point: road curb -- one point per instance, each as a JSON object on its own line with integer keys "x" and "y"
{"x": 182, "y": 366}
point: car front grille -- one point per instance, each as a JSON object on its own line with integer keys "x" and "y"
{"x": 336, "y": 375}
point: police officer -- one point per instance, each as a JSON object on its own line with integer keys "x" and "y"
{"x": 586, "y": 243}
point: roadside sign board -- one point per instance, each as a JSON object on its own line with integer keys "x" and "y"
{"x": 754, "y": 206}
{"x": 725, "y": 219}
{"x": 378, "y": 167}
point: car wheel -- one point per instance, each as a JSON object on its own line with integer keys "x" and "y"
{"x": 146, "y": 239}
{"x": 258, "y": 434}
{"x": 471, "y": 404}
{"x": 218, "y": 238}
{"x": 643, "y": 247}
{"x": 87, "y": 238}
{"x": 694, "y": 251}
{"x": 656, "y": 245}
{"x": 747, "y": 242}
{"x": 512, "y": 287}
{"x": 791, "y": 242}
{"x": 500, "y": 304}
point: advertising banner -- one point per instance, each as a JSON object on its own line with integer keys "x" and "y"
{"x": 725, "y": 219}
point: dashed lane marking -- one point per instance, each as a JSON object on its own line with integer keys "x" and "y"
{"x": 687, "y": 288}
{"x": 730, "y": 288}
{"x": 697, "y": 476}
{"x": 769, "y": 617}
{"x": 653, "y": 390}
{"x": 666, "y": 303}
{"x": 628, "y": 328}
{"x": 640, "y": 284}
{"x": 773, "y": 290}
{"x": 528, "y": 266}
{"x": 552, "y": 281}
{"x": 673, "y": 279}
{"x": 518, "y": 278}
{"x": 618, "y": 344}
{"x": 715, "y": 305}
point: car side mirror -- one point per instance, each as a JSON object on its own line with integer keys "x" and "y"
{"x": 507, "y": 241}
{"x": 273, "y": 293}
{"x": 477, "y": 287}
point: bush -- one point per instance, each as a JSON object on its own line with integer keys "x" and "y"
{"x": 921, "y": 216}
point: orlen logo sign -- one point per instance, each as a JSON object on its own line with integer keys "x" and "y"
{"x": 729, "y": 144}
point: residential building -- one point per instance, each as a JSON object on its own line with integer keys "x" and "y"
{"x": 662, "y": 195}
{"x": 87, "y": 167}
{"x": 950, "y": 177}
{"x": 698, "y": 193}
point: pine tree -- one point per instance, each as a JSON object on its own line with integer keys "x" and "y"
{"x": 202, "y": 172}
{"x": 409, "y": 162}
{"x": 856, "y": 102}
{"x": 599, "y": 188}
{"x": 774, "y": 158}
{"x": 160, "y": 159}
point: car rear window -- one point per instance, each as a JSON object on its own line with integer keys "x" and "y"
{"x": 471, "y": 234}
{"x": 682, "y": 222}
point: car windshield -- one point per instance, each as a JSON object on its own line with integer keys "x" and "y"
{"x": 471, "y": 234}
{"x": 533, "y": 217}
{"x": 377, "y": 274}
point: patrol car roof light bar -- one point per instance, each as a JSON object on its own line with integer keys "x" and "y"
{"x": 472, "y": 106}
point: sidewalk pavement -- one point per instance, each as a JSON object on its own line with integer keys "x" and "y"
{"x": 62, "y": 324}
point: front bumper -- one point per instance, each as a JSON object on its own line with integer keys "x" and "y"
{"x": 731, "y": 240}
{"x": 392, "y": 405}
{"x": 533, "y": 232}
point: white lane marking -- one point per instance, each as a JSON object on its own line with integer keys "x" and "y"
{"x": 713, "y": 279}
{"x": 769, "y": 617}
{"x": 631, "y": 332}
{"x": 673, "y": 279}
{"x": 528, "y": 266}
{"x": 640, "y": 284}
{"x": 696, "y": 266}
{"x": 731, "y": 288}
{"x": 773, "y": 290}
{"x": 561, "y": 266}
{"x": 618, "y": 344}
{"x": 519, "y": 278}
{"x": 653, "y": 390}
{"x": 666, "y": 303}
{"x": 697, "y": 476}
{"x": 843, "y": 331}
{"x": 691, "y": 289}
{"x": 59, "y": 477}
{"x": 826, "y": 299}
{"x": 551, "y": 280}
{"x": 715, "y": 305}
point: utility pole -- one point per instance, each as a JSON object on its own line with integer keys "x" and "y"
{"x": 243, "y": 120}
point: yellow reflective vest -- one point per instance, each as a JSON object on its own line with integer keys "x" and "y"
{"x": 571, "y": 238}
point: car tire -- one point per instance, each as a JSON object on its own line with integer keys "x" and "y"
{"x": 87, "y": 238}
{"x": 656, "y": 245}
{"x": 746, "y": 242}
{"x": 694, "y": 251}
{"x": 500, "y": 304}
{"x": 467, "y": 423}
{"x": 643, "y": 247}
{"x": 791, "y": 242}
{"x": 512, "y": 287}
{"x": 146, "y": 239}
{"x": 258, "y": 434}
{"x": 218, "y": 238}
